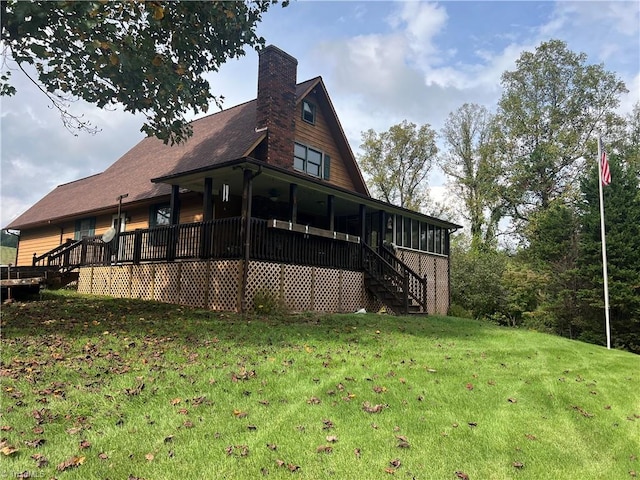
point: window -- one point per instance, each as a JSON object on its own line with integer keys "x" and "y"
{"x": 85, "y": 227}
{"x": 423, "y": 236}
{"x": 311, "y": 161}
{"x": 308, "y": 112}
{"x": 160, "y": 215}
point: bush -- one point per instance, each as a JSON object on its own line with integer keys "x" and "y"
{"x": 266, "y": 302}
{"x": 456, "y": 310}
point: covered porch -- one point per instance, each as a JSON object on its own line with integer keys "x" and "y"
{"x": 252, "y": 212}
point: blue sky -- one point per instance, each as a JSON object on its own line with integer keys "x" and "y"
{"x": 382, "y": 62}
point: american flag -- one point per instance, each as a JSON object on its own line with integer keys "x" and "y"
{"x": 605, "y": 173}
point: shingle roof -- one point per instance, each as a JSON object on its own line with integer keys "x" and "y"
{"x": 217, "y": 138}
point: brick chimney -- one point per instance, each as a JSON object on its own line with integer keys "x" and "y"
{"x": 276, "y": 104}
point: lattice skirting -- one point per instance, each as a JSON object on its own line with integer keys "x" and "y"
{"x": 216, "y": 285}
{"x": 436, "y": 270}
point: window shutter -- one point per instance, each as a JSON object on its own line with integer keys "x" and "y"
{"x": 327, "y": 167}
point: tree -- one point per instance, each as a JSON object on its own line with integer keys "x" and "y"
{"x": 474, "y": 170}
{"x": 476, "y": 278}
{"x": 552, "y": 104}
{"x": 149, "y": 57}
{"x": 622, "y": 228}
{"x": 397, "y": 162}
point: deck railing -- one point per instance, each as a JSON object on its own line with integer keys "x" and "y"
{"x": 222, "y": 238}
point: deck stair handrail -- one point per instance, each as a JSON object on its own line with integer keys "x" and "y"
{"x": 71, "y": 254}
{"x": 404, "y": 285}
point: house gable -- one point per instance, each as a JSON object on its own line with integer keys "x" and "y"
{"x": 326, "y": 135}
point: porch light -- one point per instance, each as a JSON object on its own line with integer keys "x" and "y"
{"x": 274, "y": 195}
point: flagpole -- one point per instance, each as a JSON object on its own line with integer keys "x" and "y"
{"x": 604, "y": 248}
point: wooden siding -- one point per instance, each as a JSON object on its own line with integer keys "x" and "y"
{"x": 319, "y": 136}
{"x": 40, "y": 240}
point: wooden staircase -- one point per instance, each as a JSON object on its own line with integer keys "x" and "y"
{"x": 393, "y": 283}
{"x": 31, "y": 279}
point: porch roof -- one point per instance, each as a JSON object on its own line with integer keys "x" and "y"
{"x": 312, "y": 193}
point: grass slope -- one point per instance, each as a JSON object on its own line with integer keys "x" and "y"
{"x": 102, "y": 388}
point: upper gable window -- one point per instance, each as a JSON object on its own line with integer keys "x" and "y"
{"x": 311, "y": 161}
{"x": 308, "y": 112}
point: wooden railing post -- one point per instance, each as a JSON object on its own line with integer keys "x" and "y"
{"x": 405, "y": 288}
{"x": 137, "y": 246}
{"x": 172, "y": 239}
{"x": 424, "y": 294}
{"x": 83, "y": 252}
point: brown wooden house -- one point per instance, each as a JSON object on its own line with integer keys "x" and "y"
{"x": 265, "y": 196}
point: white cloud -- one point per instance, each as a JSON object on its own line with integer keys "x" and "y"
{"x": 420, "y": 22}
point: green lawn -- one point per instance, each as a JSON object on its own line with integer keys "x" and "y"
{"x": 96, "y": 388}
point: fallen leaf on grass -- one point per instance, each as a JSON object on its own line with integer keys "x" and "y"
{"x": 379, "y": 389}
{"x": 313, "y": 401}
{"x": 403, "y": 442}
{"x": 356, "y": 452}
{"x": 272, "y": 446}
{"x": 582, "y": 411}
{"x": 70, "y": 463}
{"x": 469, "y": 386}
{"x": 530, "y": 436}
{"x": 395, "y": 462}
{"x": 239, "y": 414}
{"x": 389, "y": 470}
{"x": 518, "y": 465}
{"x": 237, "y": 450}
{"x": 8, "y": 450}
{"x": 35, "y": 443}
{"x": 327, "y": 424}
{"x": 176, "y": 401}
{"x": 367, "y": 407}
{"x": 149, "y": 457}
{"x": 462, "y": 475}
{"x": 6, "y": 428}
{"x": 324, "y": 449}
{"x": 85, "y": 444}
{"x": 293, "y": 468}
{"x": 103, "y": 456}
{"x": 331, "y": 438}
{"x": 41, "y": 460}
{"x": 512, "y": 400}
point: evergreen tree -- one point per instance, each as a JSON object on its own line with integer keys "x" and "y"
{"x": 622, "y": 227}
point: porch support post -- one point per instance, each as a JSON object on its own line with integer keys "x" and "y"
{"x": 207, "y": 215}
{"x": 363, "y": 226}
{"x": 174, "y": 205}
{"x": 382, "y": 229}
{"x": 207, "y": 207}
{"x": 331, "y": 212}
{"x": 247, "y": 191}
{"x": 293, "y": 203}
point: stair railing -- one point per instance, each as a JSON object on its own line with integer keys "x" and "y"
{"x": 396, "y": 275}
